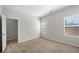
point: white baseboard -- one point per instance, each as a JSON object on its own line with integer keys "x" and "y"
{"x": 20, "y": 41}
{"x": 64, "y": 42}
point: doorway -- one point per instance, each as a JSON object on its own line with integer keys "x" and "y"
{"x": 12, "y": 31}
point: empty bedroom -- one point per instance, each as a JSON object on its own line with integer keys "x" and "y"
{"x": 39, "y": 28}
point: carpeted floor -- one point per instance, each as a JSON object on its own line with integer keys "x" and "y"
{"x": 11, "y": 41}
{"x": 40, "y": 46}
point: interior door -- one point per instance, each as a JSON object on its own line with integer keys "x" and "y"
{"x": 3, "y": 33}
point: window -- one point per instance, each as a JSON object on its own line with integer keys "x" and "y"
{"x": 71, "y": 25}
{"x": 72, "y": 21}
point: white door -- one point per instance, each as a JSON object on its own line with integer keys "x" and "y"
{"x": 3, "y": 33}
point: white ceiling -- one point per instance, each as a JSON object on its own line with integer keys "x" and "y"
{"x": 35, "y": 10}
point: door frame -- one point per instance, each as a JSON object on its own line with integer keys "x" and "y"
{"x": 17, "y": 27}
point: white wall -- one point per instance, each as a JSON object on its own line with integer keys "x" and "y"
{"x": 55, "y": 27}
{"x": 28, "y": 26}
{"x": 12, "y": 29}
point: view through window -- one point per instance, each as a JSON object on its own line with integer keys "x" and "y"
{"x": 71, "y": 25}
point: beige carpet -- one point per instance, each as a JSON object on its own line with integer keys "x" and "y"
{"x": 40, "y": 46}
